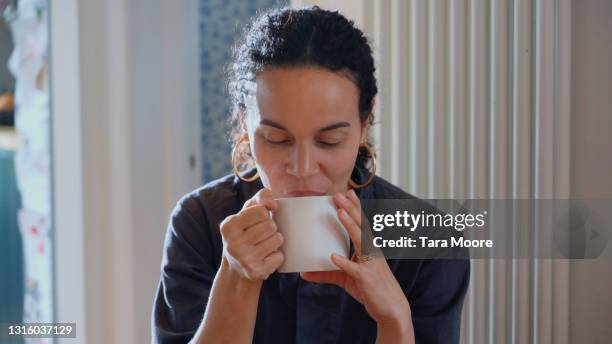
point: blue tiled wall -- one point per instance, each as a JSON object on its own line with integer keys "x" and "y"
{"x": 221, "y": 22}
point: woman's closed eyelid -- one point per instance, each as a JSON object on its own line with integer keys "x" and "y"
{"x": 283, "y": 141}
{"x": 274, "y": 136}
{"x": 330, "y": 143}
{"x": 331, "y": 139}
{"x": 325, "y": 144}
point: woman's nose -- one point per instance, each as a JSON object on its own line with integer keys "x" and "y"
{"x": 302, "y": 162}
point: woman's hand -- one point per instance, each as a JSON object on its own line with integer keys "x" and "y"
{"x": 250, "y": 255}
{"x": 370, "y": 282}
{"x": 251, "y": 239}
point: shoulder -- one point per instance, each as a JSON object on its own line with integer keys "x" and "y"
{"x": 217, "y": 190}
{"x": 383, "y": 189}
{"x": 217, "y": 197}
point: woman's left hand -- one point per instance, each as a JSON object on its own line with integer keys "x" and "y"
{"x": 370, "y": 281}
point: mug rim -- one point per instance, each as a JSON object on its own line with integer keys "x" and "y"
{"x": 303, "y": 197}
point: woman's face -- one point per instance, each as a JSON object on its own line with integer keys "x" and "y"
{"x": 304, "y": 130}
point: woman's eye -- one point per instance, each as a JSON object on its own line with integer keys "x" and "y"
{"x": 329, "y": 144}
{"x": 277, "y": 141}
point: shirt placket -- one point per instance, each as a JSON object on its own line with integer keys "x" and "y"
{"x": 317, "y": 307}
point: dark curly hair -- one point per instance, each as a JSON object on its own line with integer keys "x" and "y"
{"x": 286, "y": 37}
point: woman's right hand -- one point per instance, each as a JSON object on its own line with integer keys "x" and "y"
{"x": 250, "y": 254}
{"x": 251, "y": 239}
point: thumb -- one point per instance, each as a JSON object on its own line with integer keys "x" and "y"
{"x": 263, "y": 197}
{"x": 269, "y": 203}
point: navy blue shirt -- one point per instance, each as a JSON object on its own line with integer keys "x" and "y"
{"x": 290, "y": 309}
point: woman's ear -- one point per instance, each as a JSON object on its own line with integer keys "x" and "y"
{"x": 365, "y": 127}
{"x": 366, "y": 123}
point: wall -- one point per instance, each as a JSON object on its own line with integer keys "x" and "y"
{"x": 221, "y": 24}
{"x": 591, "y": 154}
{"x": 125, "y": 113}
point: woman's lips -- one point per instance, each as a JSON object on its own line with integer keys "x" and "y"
{"x": 303, "y": 193}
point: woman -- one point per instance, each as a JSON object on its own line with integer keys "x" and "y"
{"x": 303, "y": 87}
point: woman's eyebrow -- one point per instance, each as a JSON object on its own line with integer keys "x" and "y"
{"x": 272, "y": 124}
{"x": 336, "y": 126}
{"x": 327, "y": 128}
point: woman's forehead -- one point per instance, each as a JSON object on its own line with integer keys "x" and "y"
{"x": 306, "y": 93}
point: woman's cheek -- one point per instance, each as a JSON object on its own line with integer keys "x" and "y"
{"x": 268, "y": 158}
{"x": 339, "y": 163}
{"x": 259, "y": 152}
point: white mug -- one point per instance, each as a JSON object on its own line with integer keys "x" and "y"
{"x": 312, "y": 232}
